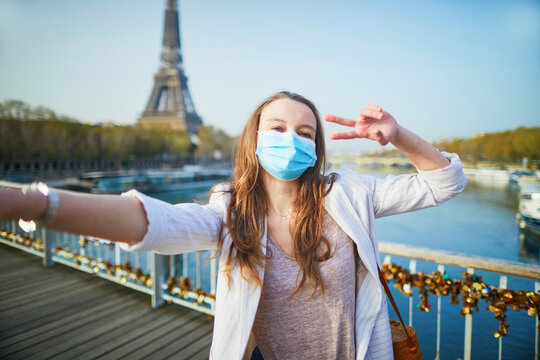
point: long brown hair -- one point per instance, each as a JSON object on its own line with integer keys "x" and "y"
{"x": 249, "y": 204}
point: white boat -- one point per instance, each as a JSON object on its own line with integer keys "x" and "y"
{"x": 522, "y": 177}
{"x": 529, "y": 207}
{"x": 487, "y": 176}
{"x": 109, "y": 182}
{"x": 155, "y": 180}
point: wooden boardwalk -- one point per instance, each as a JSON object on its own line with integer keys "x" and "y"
{"x": 61, "y": 313}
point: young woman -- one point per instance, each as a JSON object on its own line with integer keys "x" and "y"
{"x": 297, "y": 248}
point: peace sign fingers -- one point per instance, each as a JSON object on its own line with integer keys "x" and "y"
{"x": 340, "y": 120}
{"x": 345, "y": 122}
{"x": 374, "y": 124}
{"x": 344, "y": 135}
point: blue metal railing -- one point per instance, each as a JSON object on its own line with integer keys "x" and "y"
{"x": 187, "y": 279}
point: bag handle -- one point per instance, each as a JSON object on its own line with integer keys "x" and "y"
{"x": 387, "y": 290}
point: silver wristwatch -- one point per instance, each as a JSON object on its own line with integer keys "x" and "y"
{"x": 51, "y": 209}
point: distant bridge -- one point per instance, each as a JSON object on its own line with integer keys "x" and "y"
{"x": 363, "y": 160}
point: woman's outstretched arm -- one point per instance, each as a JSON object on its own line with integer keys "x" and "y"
{"x": 110, "y": 217}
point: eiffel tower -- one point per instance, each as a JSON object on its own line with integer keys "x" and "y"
{"x": 170, "y": 106}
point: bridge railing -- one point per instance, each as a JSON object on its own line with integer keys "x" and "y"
{"x": 471, "y": 289}
{"x": 190, "y": 279}
{"x": 186, "y": 279}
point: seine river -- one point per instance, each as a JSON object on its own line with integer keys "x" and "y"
{"x": 480, "y": 221}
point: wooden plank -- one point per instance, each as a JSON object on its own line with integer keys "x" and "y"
{"x": 29, "y": 268}
{"x": 28, "y": 295}
{"x": 203, "y": 353}
{"x": 190, "y": 344}
{"x": 21, "y": 269}
{"x": 113, "y": 334}
{"x": 197, "y": 345}
{"x": 13, "y": 284}
{"x": 156, "y": 337}
{"x": 81, "y": 289}
{"x": 65, "y": 313}
{"x": 32, "y": 346}
{"x": 58, "y": 321}
{"x": 95, "y": 326}
{"x": 41, "y": 313}
{"x": 59, "y": 312}
{"x": 130, "y": 338}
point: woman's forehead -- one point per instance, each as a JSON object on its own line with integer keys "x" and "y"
{"x": 293, "y": 112}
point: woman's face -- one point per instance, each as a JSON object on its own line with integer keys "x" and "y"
{"x": 289, "y": 115}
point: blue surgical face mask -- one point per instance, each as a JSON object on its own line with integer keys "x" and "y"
{"x": 285, "y": 155}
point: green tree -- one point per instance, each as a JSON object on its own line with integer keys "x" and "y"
{"x": 39, "y": 132}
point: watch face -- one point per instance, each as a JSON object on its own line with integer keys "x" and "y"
{"x": 43, "y": 188}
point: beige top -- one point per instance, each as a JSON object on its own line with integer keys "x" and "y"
{"x": 321, "y": 328}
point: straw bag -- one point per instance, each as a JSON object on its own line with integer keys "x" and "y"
{"x": 404, "y": 340}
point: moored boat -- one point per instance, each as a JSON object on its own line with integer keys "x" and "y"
{"x": 522, "y": 177}
{"x": 529, "y": 207}
{"x": 152, "y": 180}
{"x": 487, "y": 176}
{"x": 189, "y": 178}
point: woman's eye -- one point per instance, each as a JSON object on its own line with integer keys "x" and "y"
{"x": 278, "y": 128}
{"x": 306, "y": 135}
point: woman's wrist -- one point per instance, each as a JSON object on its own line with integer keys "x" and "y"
{"x": 31, "y": 204}
{"x": 52, "y": 202}
{"x": 421, "y": 153}
{"x": 397, "y": 135}
{"x": 404, "y": 140}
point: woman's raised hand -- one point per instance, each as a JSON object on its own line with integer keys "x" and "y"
{"x": 374, "y": 124}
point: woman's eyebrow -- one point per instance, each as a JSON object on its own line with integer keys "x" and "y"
{"x": 309, "y": 126}
{"x": 276, "y": 119}
{"x": 301, "y": 126}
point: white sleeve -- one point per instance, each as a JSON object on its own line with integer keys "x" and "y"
{"x": 408, "y": 192}
{"x": 175, "y": 229}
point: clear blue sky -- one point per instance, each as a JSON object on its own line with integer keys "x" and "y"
{"x": 442, "y": 68}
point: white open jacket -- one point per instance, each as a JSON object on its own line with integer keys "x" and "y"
{"x": 354, "y": 202}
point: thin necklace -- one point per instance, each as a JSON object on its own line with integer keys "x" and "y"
{"x": 282, "y": 218}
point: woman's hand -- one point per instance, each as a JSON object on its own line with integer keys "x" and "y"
{"x": 378, "y": 125}
{"x": 374, "y": 124}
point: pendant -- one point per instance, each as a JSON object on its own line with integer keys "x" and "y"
{"x": 282, "y": 218}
